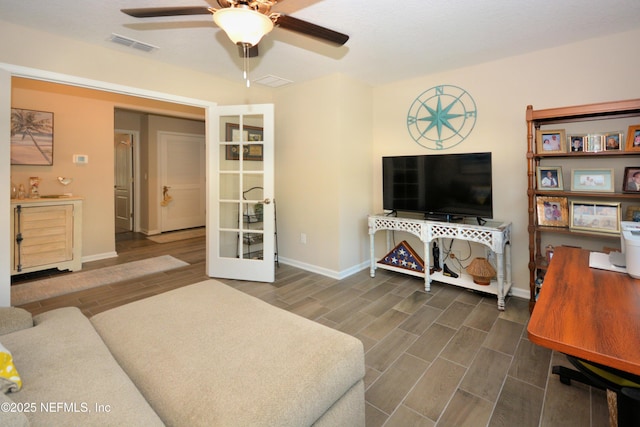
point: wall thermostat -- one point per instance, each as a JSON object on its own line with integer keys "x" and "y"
{"x": 81, "y": 159}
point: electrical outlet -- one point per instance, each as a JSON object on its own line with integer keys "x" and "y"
{"x": 303, "y": 238}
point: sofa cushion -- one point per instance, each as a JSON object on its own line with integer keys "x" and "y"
{"x": 13, "y": 319}
{"x": 10, "y": 414}
{"x": 69, "y": 376}
{"x": 9, "y": 377}
{"x": 207, "y": 354}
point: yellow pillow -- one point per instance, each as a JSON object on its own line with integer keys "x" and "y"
{"x": 9, "y": 377}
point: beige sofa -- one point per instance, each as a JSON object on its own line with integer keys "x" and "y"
{"x": 202, "y": 355}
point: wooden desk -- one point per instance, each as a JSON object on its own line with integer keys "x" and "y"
{"x": 588, "y": 313}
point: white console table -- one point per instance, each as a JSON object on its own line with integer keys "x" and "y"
{"x": 495, "y": 235}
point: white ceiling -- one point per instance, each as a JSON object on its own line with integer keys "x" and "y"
{"x": 390, "y": 40}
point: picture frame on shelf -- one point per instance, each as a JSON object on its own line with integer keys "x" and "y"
{"x": 631, "y": 180}
{"x": 576, "y": 142}
{"x": 552, "y": 211}
{"x": 31, "y": 137}
{"x": 551, "y": 141}
{"x": 595, "y": 143}
{"x": 613, "y": 141}
{"x": 549, "y": 178}
{"x": 632, "y": 213}
{"x": 633, "y": 138}
{"x": 593, "y": 180}
{"x": 598, "y": 217}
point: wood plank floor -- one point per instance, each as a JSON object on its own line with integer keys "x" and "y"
{"x": 444, "y": 358}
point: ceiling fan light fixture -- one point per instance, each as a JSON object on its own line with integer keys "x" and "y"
{"x": 243, "y": 25}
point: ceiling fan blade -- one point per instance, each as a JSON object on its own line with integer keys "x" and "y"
{"x": 152, "y": 12}
{"x": 298, "y": 25}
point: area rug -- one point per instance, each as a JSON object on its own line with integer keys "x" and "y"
{"x": 174, "y": 236}
{"x": 67, "y": 283}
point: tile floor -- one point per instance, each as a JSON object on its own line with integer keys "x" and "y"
{"x": 444, "y": 358}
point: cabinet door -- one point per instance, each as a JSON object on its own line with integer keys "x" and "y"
{"x": 47, "y": 235}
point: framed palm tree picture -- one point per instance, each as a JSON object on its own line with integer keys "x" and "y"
{"x": 31, "y": 137}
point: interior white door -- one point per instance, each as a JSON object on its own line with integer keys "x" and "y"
{"x": 123, "y": 181}
{"x": 241, "y": 191}
{"x": 182, "y": 181}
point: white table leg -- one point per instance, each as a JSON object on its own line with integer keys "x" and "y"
{"x": 500, "y": 258}
{"x": 372, "y": 268}
{"x": 427, "y": 269}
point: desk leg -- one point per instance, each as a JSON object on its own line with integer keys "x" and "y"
{"x": 500, "y": 257}
{"x": 427, "y": 267}
{"x": 372, "y": 267}
{"x": 508, "y": 252}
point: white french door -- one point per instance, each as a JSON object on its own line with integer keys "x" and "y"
{"x": 241, "y": 221}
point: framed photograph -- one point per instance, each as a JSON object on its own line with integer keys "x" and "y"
{"x": 552, "y": 211}
{"x": 577, "y": 142}
{"x": 31, "y": 137}
{"x": 632, "y": 214}
{"x": 631, "y": 181}
{"x": 597, "y": 217}
{"x": 594, "y": 180}
{"x": 612, "y": 141}
{"x": 253, "y": 152}
{"x": 633, "y": 138}
{"x": 595, "y": 143}
{"x": 549, "y": 178}
{"x": 551, "y": 141}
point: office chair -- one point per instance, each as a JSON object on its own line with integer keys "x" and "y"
{"x": 626, "y": 387}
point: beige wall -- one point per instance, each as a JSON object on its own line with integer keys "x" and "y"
{"x": 83, "y": 124}
{"x": 323, "y": 169}
{"x": 118, "y": 65}
{"x": 593, "y": 71}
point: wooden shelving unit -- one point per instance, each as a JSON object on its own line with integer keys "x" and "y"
{"x": 606, "y": 116}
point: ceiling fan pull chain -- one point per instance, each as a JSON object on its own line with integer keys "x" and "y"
{"x": 245, "y": 58}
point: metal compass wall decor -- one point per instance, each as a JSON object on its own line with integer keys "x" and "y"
{"x": 441, "y": 117}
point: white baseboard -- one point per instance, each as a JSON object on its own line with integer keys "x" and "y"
{"x": 339, "y": 275}
{"x": 519, "y": 293}
{"x": 98, "y": 257}
{"x": 150, "y": 232}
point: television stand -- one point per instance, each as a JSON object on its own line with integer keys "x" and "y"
{"x": 494, "y": 235}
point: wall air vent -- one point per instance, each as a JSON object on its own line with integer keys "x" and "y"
{"x": 134, "y": 44}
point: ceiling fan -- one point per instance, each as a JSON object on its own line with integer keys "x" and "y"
{"x": 246, "y": 21}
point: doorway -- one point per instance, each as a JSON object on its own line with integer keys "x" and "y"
{"x": 182, "y": 177}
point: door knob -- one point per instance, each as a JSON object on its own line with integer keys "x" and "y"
{"x": 266, "y": 201}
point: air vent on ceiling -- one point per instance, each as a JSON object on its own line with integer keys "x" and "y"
{"x": 272, "y": 81}
{"x": 135, "y": 44}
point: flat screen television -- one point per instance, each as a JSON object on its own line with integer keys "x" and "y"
{"x": 442, "y": 186}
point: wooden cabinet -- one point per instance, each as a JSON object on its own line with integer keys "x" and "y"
{"x": 587, "y": 121}
{"x": 47, "y": 233}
